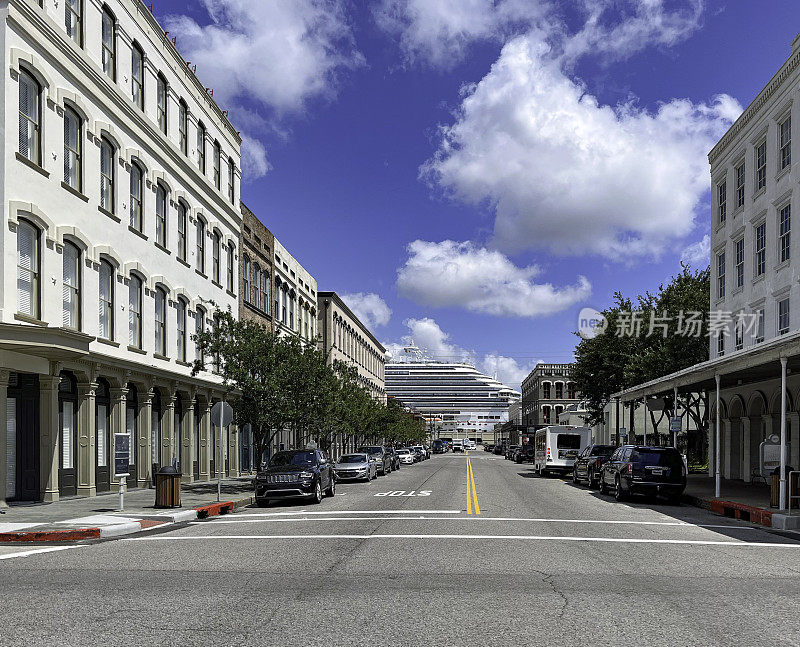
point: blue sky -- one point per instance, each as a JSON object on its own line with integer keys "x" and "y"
{"x": 472, "y": 173}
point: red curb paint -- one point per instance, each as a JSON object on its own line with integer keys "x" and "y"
{"x": 742, "y": 512}
{"x": 214, "y": 509}
{"x": 150, "y": 523}
{"x": 51, "y": 535}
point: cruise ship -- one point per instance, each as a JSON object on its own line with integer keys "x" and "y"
{"x": 455, "y": 399}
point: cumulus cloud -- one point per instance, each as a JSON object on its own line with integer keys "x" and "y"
{"x": 697, "y": 254}
{"x": 461, "y": 274}
{"x": 439, "y": 33}
{"x": 426, "y": 335}
{"x": 368, "y": 307}
{"x": 254, "y": 158}
{"x": 564, "y": 172}
{"x": 278, "y": 53}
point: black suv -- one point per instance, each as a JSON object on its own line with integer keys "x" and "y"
{"x": 295, "y": 474}
{"x": 378, "y": 453}
{"x": 524, "y": 453}
{"x": 644, "y": 470}
{"x": 589, "y": 462}
{"x": 394, "y": 457}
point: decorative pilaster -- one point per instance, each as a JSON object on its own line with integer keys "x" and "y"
{"x": 746, "y": 469}
{"x": 119, "y": 399}
{"x": 793, "y": 436}
{"x": 144, "y": 460}
{"x": 48, "y": 435}
{"x": 205, "y": 441}
{"x": 5, "y": 376}
{"x": 189, "y": 453}
{"x": 233, "y": 451}
{"x": 87, "y": 437}
{"x": 726, "y": 448}
{"x": 167, "y": 450}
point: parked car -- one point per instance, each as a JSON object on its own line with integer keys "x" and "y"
{"x": 355, "y": 467}
{"x": 589, "y": 463}
{"x": 524, "y": 453}
{"x": 296, "y": 474}
{"x": 509, "y": 452}
{"x": 488, "y": 448}
{"x": 406, "y": 456}
{"x": 395, "y": 459}
{"x": 380, "y": 455}
{"x": 418, "y": 455}
{"x": 498, "y": 450}
{"x": 634, "y": 469}
{"x": 439, "y": 447}
{"x": 422, "y": 451}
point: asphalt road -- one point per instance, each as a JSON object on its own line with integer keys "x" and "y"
{"x": 400, "y": 561}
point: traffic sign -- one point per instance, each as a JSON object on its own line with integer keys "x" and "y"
{"x": 222, "y": 414}
{"x": 675, "y": 425}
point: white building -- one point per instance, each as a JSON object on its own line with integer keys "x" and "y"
{"x": 294, "y": 297}
{"x": 121, "y": 200}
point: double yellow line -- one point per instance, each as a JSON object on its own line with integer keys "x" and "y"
{"x": 472, "y": 493}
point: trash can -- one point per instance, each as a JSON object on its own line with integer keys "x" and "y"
{"x": 775, "y": 489}
{"x": 168, "y": 488}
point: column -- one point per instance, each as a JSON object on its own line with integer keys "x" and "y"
{"x": 189, "y": 450}
{"x": 4, "y": 379}
{"x": 234, "y": 437}
{"x": 144, "y": 460}
{"x": 48, "y": 435}
{"x": 746, "y": 469}
{"x": 167, "y": 451}
{"x": 118, "y": 426}
{"x": 766, "y": 420}
{"x": 726, "y": 447}
{"x": 205, "y": 445}
{"x": 794, "y": 440}
{"x": 87, "y": 422}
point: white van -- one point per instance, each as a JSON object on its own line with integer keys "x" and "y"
{"x": 458, "y": 446}
{"x": 558, "y": 446}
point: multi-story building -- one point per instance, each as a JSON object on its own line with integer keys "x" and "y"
{"x": 455, "y": 400}
{"x": 294, "y": 297}
{"x": 255, "y": 270}
{"x": 121, "y": 195}
{"x": 546, "y": 392}
{"x": 345, "y": 338}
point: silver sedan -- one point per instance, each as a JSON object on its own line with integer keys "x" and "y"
{"x": 355, "y": 467}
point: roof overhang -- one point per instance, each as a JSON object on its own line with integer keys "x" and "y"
{"x": 40, "y": 341}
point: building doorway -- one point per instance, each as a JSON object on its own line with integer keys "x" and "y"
{"x": 22, "y": 438}
{"x": 68, "y": 435}
{"x": 102, "y": 446}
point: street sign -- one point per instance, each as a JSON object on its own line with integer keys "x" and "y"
{"x": 122, "y": 454}
{"x": 675, "y": 425}
{"x": 222, "y": 414}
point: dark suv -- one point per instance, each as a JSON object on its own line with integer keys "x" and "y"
{"x": 378, "y": 453}
{"x": 589, "y": 462}
{"x": 394, "y": 457}
{"x": 295, "y": 474}
{"x": 524, "y": 453}
{"x": 644, "y": 470}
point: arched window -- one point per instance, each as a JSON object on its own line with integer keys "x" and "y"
{"x": 28, "y": 269}
{"x": 181, "y": 339}
{"x": 559, "y": 390}
{"x": 264, "y": 290}
{"x": 201, "y": 147}
{"x": 70, "y": 290}
{"x": 106, "y": 175}
{"x": 106, "y": 300}
{"x": 161, "y": 103}
{"x": 215, "y": 254}
{"x": 257, "y": 282}
{"x": 546, "y": 415}
{"x": 183, "y": 126}
{"x": 546, "y": 390}
{"x": 276, "y": 292}
{"x": 137, "y": 76}
{"x": 217, "y": 165}
{"x": 230, "y": 267}
{"x": 135, "y": 311}
{"x": 161, "y": 215}
{"x": 72, "y": 149}
{"x": 29, "y": 118}
{"x": 182, "y": 223}
{"x": 199, "y": 327}
{"x": 246, "y": 278}
{"x": 571, "y": 390}
{"x": 231, "y": 179}
{"x": 161, "y": 322}
{"x": 201, "y": 245}
{"x": 137, "y": 188}
{"x": 73, "y": 20}
{"x": 291, "y": 311}
{"x": 109, "y": 44}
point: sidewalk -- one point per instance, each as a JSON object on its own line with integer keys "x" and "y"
{"x": 95, "y": 517}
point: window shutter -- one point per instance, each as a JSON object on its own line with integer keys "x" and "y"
{"x": 102, "y": 435}
{"x": 27, "y": 264}
{"x": 130, "y": 427}
{"x": 11, "y": 448}
{"x": 66, "y": 435}
{"x": 155, "y": 425}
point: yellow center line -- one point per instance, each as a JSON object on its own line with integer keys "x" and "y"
{"x": 472, "y": 492}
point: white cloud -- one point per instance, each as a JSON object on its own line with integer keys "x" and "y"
{"x": 438, "y": 32}
{"x": 462, "y": 274}
{"x": 254, "y": 158}
{"x": 278, "y": 53}
{"x": 426, "y": 335}
{"x": 697, "y": 254}
{"x": 564, "y": 172}
{"x": 368, "y": 307}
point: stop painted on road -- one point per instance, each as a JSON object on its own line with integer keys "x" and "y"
{"x": 405, "y": 493}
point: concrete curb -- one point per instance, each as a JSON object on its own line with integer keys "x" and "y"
{"x": 128, "y": 527}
